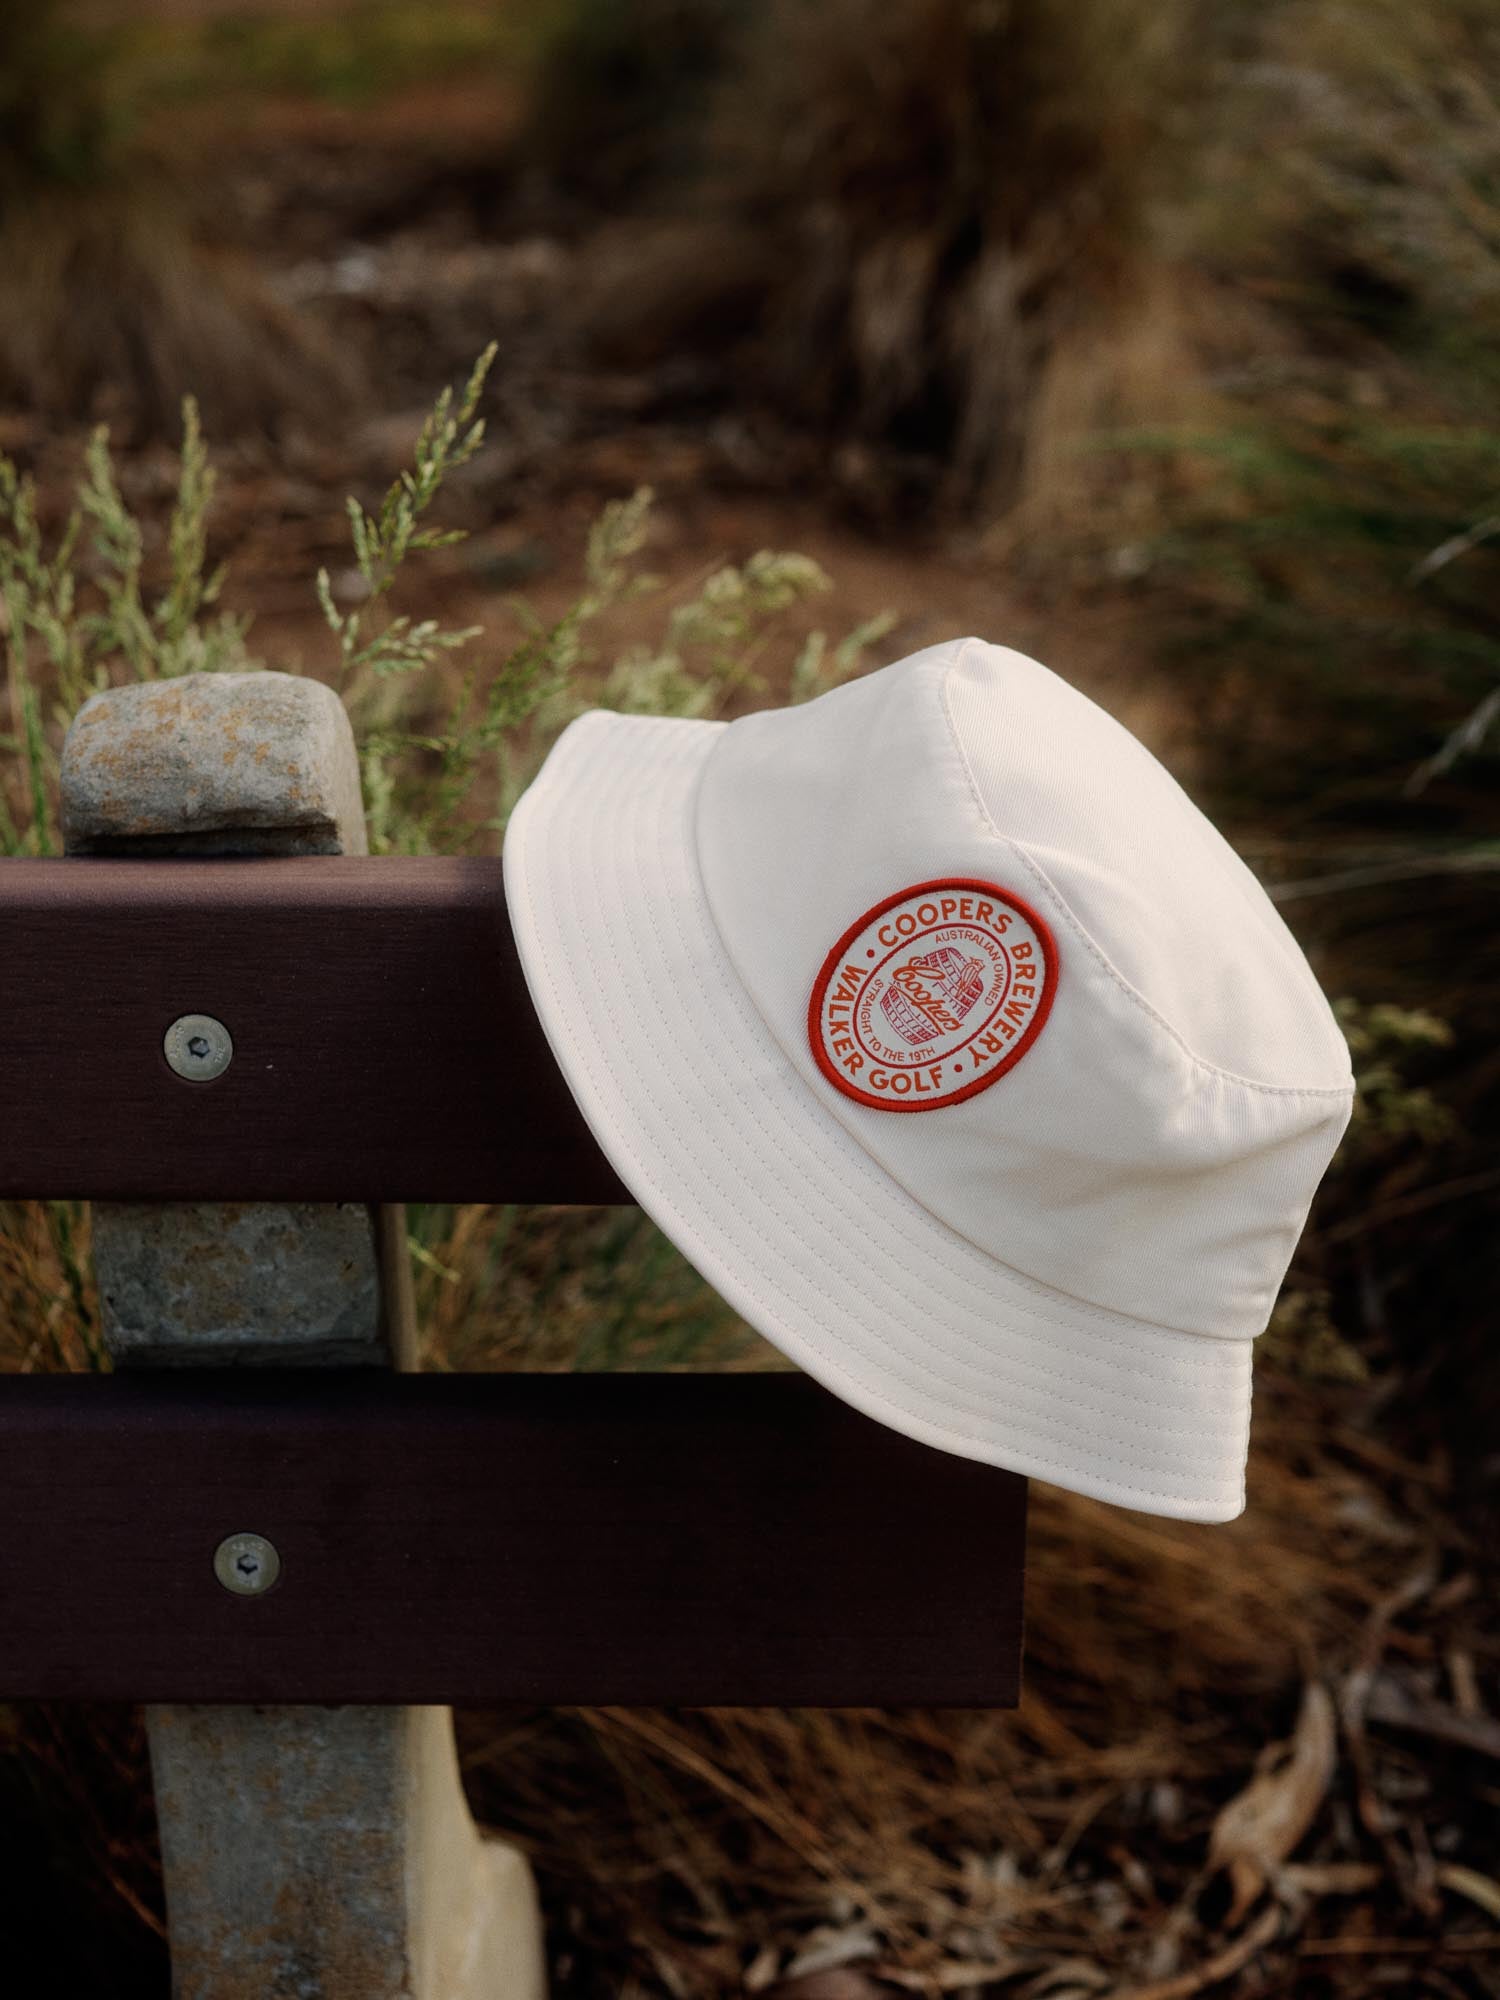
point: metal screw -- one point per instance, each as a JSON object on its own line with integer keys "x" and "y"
{"x": 247, "y": 1564}
{"x": 198, "y": 1047}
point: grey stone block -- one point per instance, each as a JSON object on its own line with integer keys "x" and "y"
{"x": 325, "y": 1854}
{"x": 255, "y": 763}
{"x": 195, "y": 1283}
{"x": 252, "y": 763}
{"x": 309, "y": 1853}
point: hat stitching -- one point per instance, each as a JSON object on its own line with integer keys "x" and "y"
{"x": 1131, "y": 992}
{"x": 1016, "y": 1365}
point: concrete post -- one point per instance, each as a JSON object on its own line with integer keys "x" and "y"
{"x": 309, "y": 1853}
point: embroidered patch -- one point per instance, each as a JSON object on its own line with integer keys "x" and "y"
{"x": 932, "y": 995}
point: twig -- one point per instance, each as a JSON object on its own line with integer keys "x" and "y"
{"x": 788, "y": 1825}
{"x": 1376, "y": 874}
{"x": 1349, "y": 1947}
{"x": 1388, "y": 1702}
{"x": 1453, "y": 548}
{"x": 1412, "y": 1204}
{"x": 1223, "y": 1965}
{"x": 1353, "y": 1706}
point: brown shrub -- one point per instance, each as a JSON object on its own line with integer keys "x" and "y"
{"x": 905, "y": 210}
{"x": 112, "y": 309}
{"x": 110, "y": 305}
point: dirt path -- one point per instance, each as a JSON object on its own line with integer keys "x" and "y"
{"x": 931, "y": 592}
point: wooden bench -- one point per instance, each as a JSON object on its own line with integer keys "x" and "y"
{"x": 546, "y": 1539}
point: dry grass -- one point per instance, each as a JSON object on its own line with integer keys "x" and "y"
{"x": 562, "y": 1288}
{"x": 112, "y": 307}
{"x": 1064, "y": 1849}
{"x": 113, "y": 310}
{"x": 902, "y": 213}
{"x": 49, "y": 1315}
{"x": 1375, "y": 215}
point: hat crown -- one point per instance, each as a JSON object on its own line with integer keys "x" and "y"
{"x": 1137, "y": 874}
{"x": 1153, "y": 1146}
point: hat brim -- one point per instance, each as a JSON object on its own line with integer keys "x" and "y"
{"x": 732, "y": 1152}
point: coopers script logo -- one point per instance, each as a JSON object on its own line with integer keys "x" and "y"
{"x": 932, "y": 995}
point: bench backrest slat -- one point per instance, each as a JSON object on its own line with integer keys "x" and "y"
{"x": 667, "y": 1538}
{"x": 385, "y": 1044}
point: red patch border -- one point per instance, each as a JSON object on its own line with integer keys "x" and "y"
{"x": 1007, "y": 1062}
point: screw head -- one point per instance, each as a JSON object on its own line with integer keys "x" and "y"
{"x": 247, "y": 1564}
{"x": 198, "y": 1047}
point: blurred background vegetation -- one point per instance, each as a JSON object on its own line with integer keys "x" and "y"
{"x": 1158, "y": 337}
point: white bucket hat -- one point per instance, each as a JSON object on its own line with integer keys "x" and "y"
{"x": 941, "y": 1031}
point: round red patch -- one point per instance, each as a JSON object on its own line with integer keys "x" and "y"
{"x": 932, "y": 995}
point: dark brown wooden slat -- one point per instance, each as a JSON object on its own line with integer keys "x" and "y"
{"x": 385, "y": 1044}
{"x": 673, "y": 1539}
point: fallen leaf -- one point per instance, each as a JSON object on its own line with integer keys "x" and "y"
{"x": 762, "y": 1969}
{"x": 827, "y": 1950}
{"x": 1332, "y": 1878}
{"x": 954, "y": 1975}
{"x": 1261, "y": 1825}
{"x": 1066, "y": 1976}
